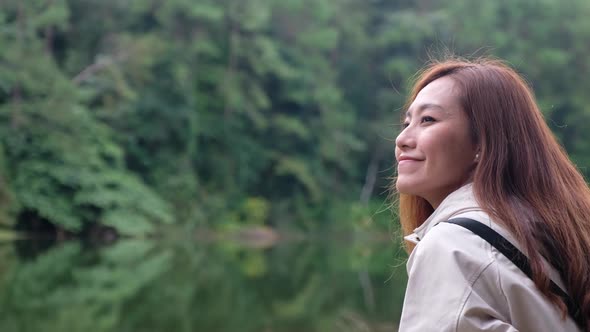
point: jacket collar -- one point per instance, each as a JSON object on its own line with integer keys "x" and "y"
{"x": 457, "y": 202}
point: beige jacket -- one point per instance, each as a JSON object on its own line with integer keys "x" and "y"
{"x": 458, "y": 282}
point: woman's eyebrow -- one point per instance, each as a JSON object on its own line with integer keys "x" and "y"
{"x": 422, "y": 107}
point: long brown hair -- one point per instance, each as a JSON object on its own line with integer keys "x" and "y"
{"x": 524, "y": 179}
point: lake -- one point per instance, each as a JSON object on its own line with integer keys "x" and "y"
{"x": 345, "y": 283}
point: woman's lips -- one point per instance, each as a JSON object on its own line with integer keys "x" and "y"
{"x": 406, "y": 162}
{"x": 405, "y": 158}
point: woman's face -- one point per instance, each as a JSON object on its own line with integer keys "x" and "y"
{"x": 435, "y": 151}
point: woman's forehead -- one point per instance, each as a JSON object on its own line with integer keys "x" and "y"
{"x": 440, "y": 94}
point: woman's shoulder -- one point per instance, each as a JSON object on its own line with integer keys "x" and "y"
{"x": 447, "y": 238}
{"x": 452, "y": 249}
{"x": 455, "y": 244}
{"x": 482, "y": 278}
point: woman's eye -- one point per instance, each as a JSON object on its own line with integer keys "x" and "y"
{"x": 405, "y": 125}
{"x": 427, "y": 119}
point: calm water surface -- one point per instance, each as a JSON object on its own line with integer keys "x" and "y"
{"x": 140, "y": 285}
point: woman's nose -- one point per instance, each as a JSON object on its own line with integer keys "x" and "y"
{"x": 405, "y": 139}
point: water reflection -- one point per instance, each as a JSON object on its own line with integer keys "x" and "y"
{"x": 140, "y": 285}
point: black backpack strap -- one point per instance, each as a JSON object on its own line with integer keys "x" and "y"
{"x": 519, "y": 259}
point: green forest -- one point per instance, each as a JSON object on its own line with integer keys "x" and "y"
{"x": 199, "y": 120}
{"x": 145, "y": 116}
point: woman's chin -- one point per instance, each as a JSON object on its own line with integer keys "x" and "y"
{"x": 405, "y": 188}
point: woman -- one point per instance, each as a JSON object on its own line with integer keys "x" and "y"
{"x": 474, "y": 145}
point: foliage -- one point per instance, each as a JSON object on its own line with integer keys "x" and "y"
{"x": 61, "y": 164}
{"x": 129, "y": 114}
